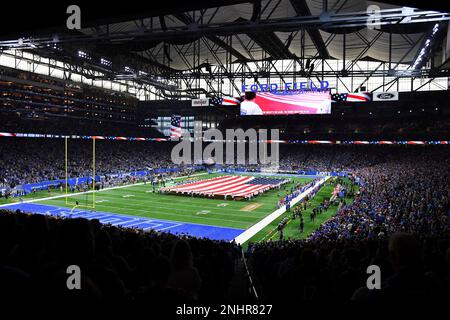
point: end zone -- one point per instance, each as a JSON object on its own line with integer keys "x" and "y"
{"x": 139, "y": 222}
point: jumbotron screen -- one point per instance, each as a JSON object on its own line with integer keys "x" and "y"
{"x": 269, "y": 103}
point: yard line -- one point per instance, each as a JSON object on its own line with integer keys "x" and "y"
{"x": 140, "y": 187}
{"x": 142, "y": 202}
{"x": 186, "y": 201}
{"x": 124, "y": 209}
{"x": 158, "y": 203}
{"x": 146, "y": 206}
{"x": 169, "y": 227}
{"x": 90, "y": 215}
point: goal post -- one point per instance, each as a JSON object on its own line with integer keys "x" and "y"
{"x": 75, "y": 203}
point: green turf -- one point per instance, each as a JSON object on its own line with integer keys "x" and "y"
{"x": 140, "y": 201}
{"x": 32, "y": 196}
{"x": 137, "y": 200}
{"x": 56, "y": 192}
{"x": 53, "y": 192}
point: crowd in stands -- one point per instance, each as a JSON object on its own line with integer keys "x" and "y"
{"x": 118, "y": 264}
{"x": 82, "y": 127}
{"x": 399, "y": 221}
{"x": 28, "y": 96}
{"x": 372, "y": 123}
{"x": 413, "y": 268}
{"x": 31, "y": 160}
{"x": 35, "y": 160}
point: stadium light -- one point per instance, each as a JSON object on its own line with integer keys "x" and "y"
{"x": 54, "y": 46}
{"x": 128, "y": 69}
{"x": 425, "y": 51}
{"x": 105, "y": 62}
{"x": 435, "y": 28}
{"x": 83, "y": 54}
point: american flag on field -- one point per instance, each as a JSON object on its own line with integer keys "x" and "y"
{"x": 230, "y": 186}
{"x": 175, "y": 128}
{"x": 224, "y": 101}
{"x": 351, "y": 97}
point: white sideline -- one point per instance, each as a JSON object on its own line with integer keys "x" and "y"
{"x": 257, "y": 227}
{"x": 90, "y": 191}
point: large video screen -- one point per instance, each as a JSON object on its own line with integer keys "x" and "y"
{"x": 286, "y": 103}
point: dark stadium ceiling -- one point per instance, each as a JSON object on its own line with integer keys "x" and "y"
{"x": 26, "y": 16}
{"x": 174, "y": 36}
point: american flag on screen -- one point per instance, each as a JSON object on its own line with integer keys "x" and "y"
{"x": 175, "y": 128}
{"x": 351, "y": 97}
{"x": 271, "y": 103}
{"x": 225, "y": 101}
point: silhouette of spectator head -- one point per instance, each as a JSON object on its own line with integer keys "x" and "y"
{"x": 37, "y": 229}
{"x": 309, "y": 258}
{"x": 404, "y": 251}
{"x": 103, "y": 242}
{"x": 160, "y": 271}
{"x": 181, "y": 255}
{"x": 75, "y": 240}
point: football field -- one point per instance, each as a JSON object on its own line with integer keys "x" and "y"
{"x": 139, "y": 206}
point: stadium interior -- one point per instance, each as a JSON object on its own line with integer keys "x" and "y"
{"x": 333, "y": 188}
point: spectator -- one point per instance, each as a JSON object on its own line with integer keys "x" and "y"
{"x": 184, "y": 275}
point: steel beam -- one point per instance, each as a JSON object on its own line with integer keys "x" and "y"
{"x": 334, "y": 20}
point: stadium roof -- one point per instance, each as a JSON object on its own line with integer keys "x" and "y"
{"x": 183, "y": 37}
{"x": 324, "y": 42}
